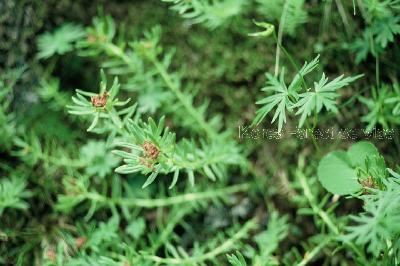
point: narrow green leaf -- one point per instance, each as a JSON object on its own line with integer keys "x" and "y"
{"x": 191, "y": 177}
{"x": 94, "y": 122}
{"x": 150, "y": 179}
{"x": 175, "y": 179}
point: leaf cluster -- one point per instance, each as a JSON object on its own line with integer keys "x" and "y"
{"x": 287, "y": 98}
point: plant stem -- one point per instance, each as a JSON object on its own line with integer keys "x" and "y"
{"x": 296, "y": 67}
{"x": 310, "y": 197}
{"x": 211, "y": 133}
{"x": 375, "y": 53}
{"x": 166, "y": 232}
{"x": 225, "y": 247}
{"x": 377, "y": 71}
{"x": 309, "y": 129}
{"x": 309, "y": 255}
{"x": 118, "y": 52}
{"x": 115, "y": 50}
{"x": 315, "y": 143}
{"x": 324, "y": 216}
{"x": 174, "y": 200}
{"x": 313, "y": 139}
{"x": 326, "y": 20}
{"x": 342, "y": 13}
{"x": 280, "y": 34}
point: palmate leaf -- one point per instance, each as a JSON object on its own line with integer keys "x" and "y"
{"x": 59, "y": 42}
{"x": 282, "y": 95}
{"x": 280, "y": 99}
{"x": 383, "y": 107}
{"x": 307, "y": 68}
{"x": 210, "y": 13}
{"x": 324, "y": 95}
{"x": 383, "y": 24}
{"x": 384, "y": 30}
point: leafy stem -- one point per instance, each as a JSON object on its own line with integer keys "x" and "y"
{"x": 224, "y": 248}
{"x": 325, "y": 217}
{"x": 115, "y": 50}
{"x": 211, "y": 133}
{"x": 291, "y": 60}
{"x": 311, "y": 254}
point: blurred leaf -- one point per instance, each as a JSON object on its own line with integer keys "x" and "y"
{"x": 59, "y": 42}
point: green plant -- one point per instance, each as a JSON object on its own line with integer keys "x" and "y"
{"x": 383, "y": 23}
{"x": 210, "y": 13}
{"x": 101, "y": 104}
{"x": 152, "y": 161}
{"x": 59, "y": 42}
{"x": 382, "y": 107}
{"x": 13, "y": 191}
{"x": 376, "y": 227}
{"x": 362, "y": 172}
{"x": 7, "y": 118}
{"x": 348, "y": 172}
{"x": 297, "y": 96}
{"x": 153, "y": 150}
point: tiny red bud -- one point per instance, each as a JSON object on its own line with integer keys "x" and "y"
{"x": 51, "y": 254}
{"x": 80, "y": 241}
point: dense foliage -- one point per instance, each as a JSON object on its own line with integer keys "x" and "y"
{"x": 199, "y": 132}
